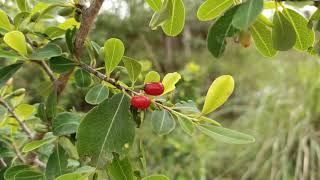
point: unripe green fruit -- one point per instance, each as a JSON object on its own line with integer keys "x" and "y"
{"x": 65, "y": 11}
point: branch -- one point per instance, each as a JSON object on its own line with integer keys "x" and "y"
{"x": 88, "y": 17}
{"x": 18, "y": 119}
{"x": 47, "y": 69}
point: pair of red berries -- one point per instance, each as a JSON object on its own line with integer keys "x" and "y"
{"x": 143, "y": 102}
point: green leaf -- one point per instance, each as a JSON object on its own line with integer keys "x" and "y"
{"x": 8, "y": 54}
{"x": 70, "y": 37}
{"x": 152, "y": 76}
{"x": 65, "y": 123}
{"x": 7, "y": 72}
{"x": 186, "y": 124}
{"x": 22, "y": 172}
{"x": 69, "y": 24}
{"x": 208, "y": 120}
{"x": 113, "y": 53}
{"x": 175, "y": 23}
{"x": 41, "y": 112}
{"x": 107, "y": 128}
{"x": 19, "y": 18}
{"x": 73, "y": 176}
{"x": 4, "y": 21}
{"x": 169, "y": 81}
{"x": 162, "y": 122}
{"x": 121, "y": 169}
{"x": 36, "y": 144}
{"x": 68, "y": 147}
{"x": 247, "y": 13}
{"x": 225, "y": 135}
{"x": 218, "y": 93}
{"x": 305, "y": 36}
{"x": 156, "y": 177}
{"x": 54, "y": 32}
{"x": 161, "y": 16}
{"x": 46, "y": 52}
{"x": 51, "y": 104}
{"x": 97, "y": 94}
{"x": 61, "y": 64}
{"x": 23, "y": 5}
{"x": 263, "y": 39}
{"x": 188, "y": 107}
{"x": 82, "y": 78}
{"x": 24, "y": 111}
{"x": 155, "y": 4}
{"x": 133, "y": 67}
{"x": 211, "y": 9}
{"x": 57, "y": 163}
{"x": 283, "y": 33}
{"x": 219, "y": 31}
{"x": 17, "y": 41}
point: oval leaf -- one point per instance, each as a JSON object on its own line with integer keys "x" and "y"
{"x": 46, "y": 52}
{"x": 4, "y": 21}
{"x": 175, "y": 23}
{"x": 113, "y": 52}
{"x": 263, "y": 39}
{"x": 162, "y": 122}
{"x": 57, "y": 163}
{"x": 108, "y": 128}
{"x": 186, "y": 124}
{"x": 82, "y": 78}
{"x": 17, "y": 41}
{"x": 22, "y": 172}
{"x": 247, "y": 13}
{"x": 133, "y": 67}
{"x": 36, "y": 144}
{"x": 7, "y": 72}
{"x": 169, "y": 81}
{"x": 305, "y": 36}
{"x": 211, "y": 9}
{"x": 65, "y": 123}
{"x": 283, "y": 33}
{"x": 225, "y": 135}
{"x": 121, "y": 169}
{"x": 152, "y": 76}
{"x": 97, "y": 94}
{"x": 155, "y": 4}
{"x": 218, "y": 93}
{"x": 61, "y": 64}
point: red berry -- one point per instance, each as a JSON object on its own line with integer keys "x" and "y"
{"x": 140, "y": 102}
{"x": 154, "y": 89}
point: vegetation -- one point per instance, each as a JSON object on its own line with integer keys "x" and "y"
{"x": 104, "y": 97}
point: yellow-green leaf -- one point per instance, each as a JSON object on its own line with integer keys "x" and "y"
{"x": 36, "y": 144}
{"x": 4, "y": 21}
{"x": 133, "y": 67}
{"x": 25, "y": 110}
{"x": 152, "y": 76}
{"x": 175, "y": 23}
{"x": 211, "y": 9}
{"x": 113, "y": 53}
{"x": 17, "y": 41}
{"x": 69, "y": 24}
{"x": 169, "y": 81}
{"x": 155, "y": 4}
{"x": 218, "y": 93}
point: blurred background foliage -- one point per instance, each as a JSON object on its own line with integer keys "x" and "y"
{"x": 276, "y": 99}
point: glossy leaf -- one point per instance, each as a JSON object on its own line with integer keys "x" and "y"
{"x": 97, "y": 94}
{"x": 225, "y": 135}
{"x": 54, "y": 32}
{"x": 247, "y": 13}
{"x": 65, "y": 123}
{"x": 162, "y": 122}
{"x": 61, "y": 64}
{"x": 218, "y": 33}
{"x": 4, "y": 21}
{"x": 211, "y": 9}
{"x": 133, "y": 67}
{"x": 121, "y": 168}
{"x": 17, "y": 41}
{"x": 7, "y": 72}
{"x": 108, "y": 128}
{"x": 36, "y": 144}
{"x": 156, "y": 177}
{"x": 261, "y": 35}
{"x": 218, "y": 93}
{"x": 152, "y": 76}
{"x": 23, "y": 5}
{"x": 283, "y": 33}
{"x": 57, "y": 163}
{"x": 169, "y": 81}
{"x": 46, "y": 52}
{"x": 305, "y": 36}
{"x": 113, "y": 53}
{"x": 175, "y": 23}
{"x": 155, "y": 4}
{"x": 82, "y": 78}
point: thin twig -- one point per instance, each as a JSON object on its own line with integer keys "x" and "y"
{"x": 3, "y": 163}
{"x": 18, "y": 119}
{"x": 47, "y": 69}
